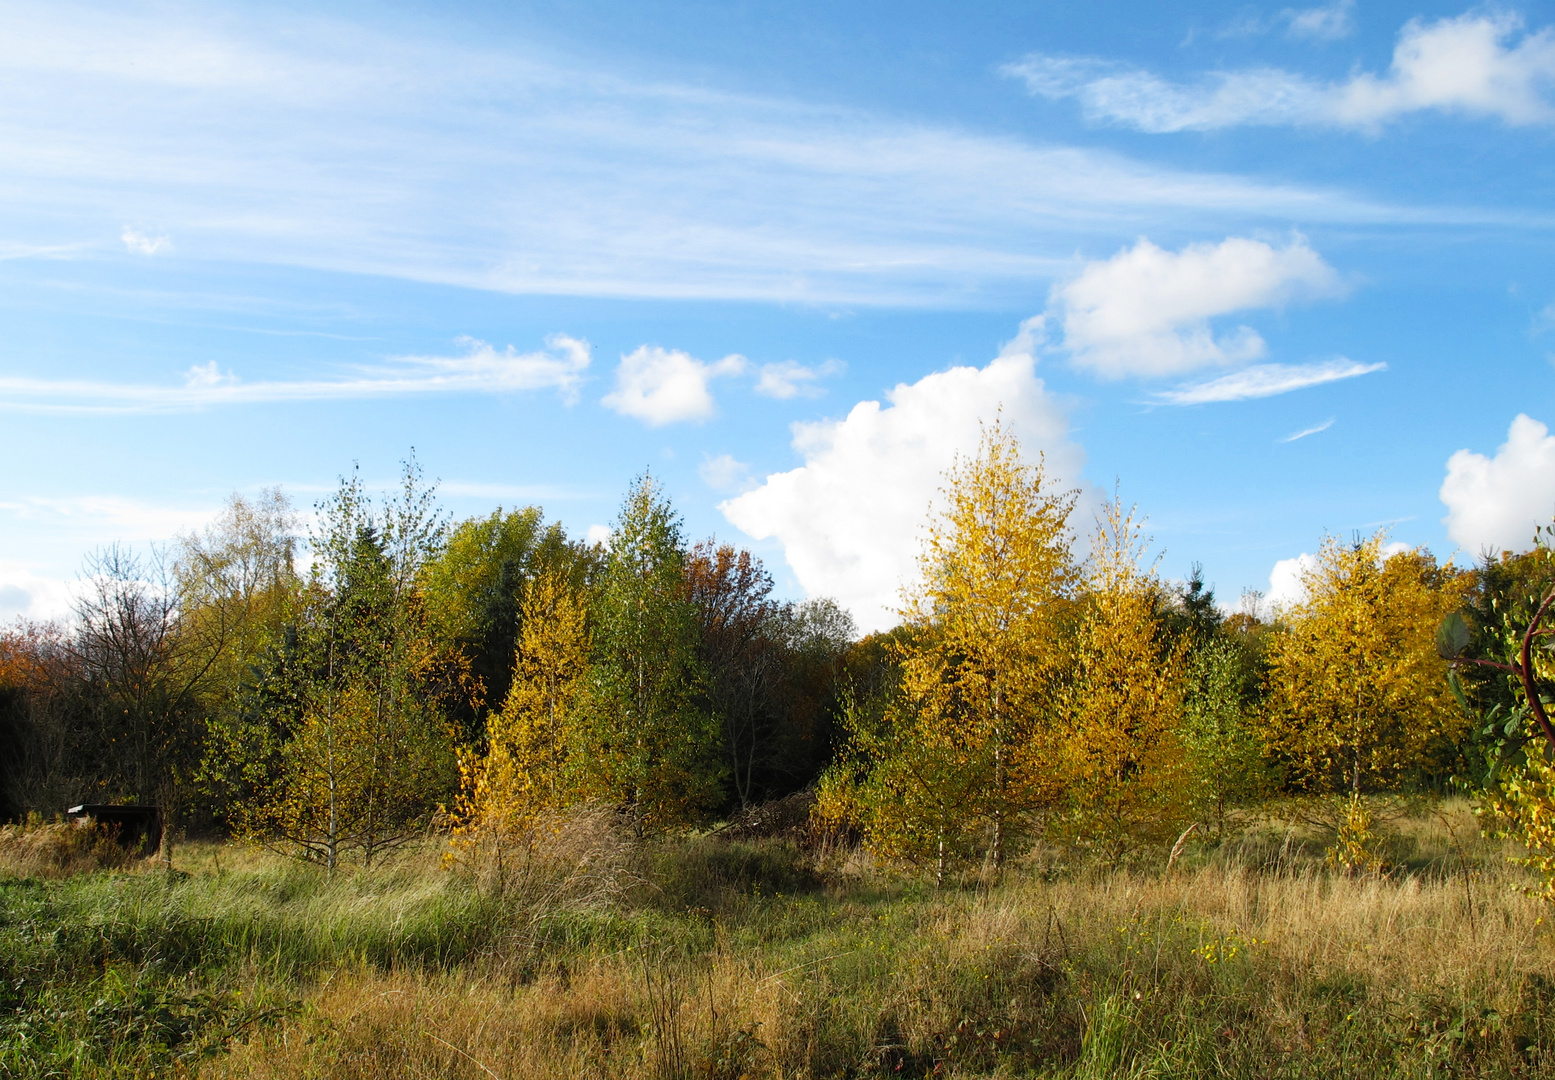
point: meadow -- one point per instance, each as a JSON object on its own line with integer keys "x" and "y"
{"x": 724, "y": 955}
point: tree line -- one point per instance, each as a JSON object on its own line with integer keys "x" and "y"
{"x": 397, "y": 671}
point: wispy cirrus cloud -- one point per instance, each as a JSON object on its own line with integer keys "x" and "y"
{"x": 1315, "y": 429}
{"x": 790, "y": 379}
{"x": 1266, "y": 380}
{"x": 1477, "y": 64}
{"x": 316, "y": 142}
{"x": 480, "y": 369}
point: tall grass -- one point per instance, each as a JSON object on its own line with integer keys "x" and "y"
{"x": 716, "y": 959}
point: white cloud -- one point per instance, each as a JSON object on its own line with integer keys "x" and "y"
{"x": 662, "y": 386}
{"x": 1285, "y": 581}
{"x": 482, "y": 369}
{"x": 99, "y": 516}
{"x": 790, "y": 379}
{"x": 1468, "y": 64}
{"x": 1304, "y": 432}
{"x": 849, "y": 518}
{"x": 142, "y": 244}
{"x": 27, "y": 595}
{"x": 1493, "y": 504}
{"x": 1459, "y": 65}
{"x": 1266, "y": 380}
{"x": 1146, "y": 310}
{"x": 724, "y": 473}
{"x": 1329, "y": 22}
{"x": 597, "y": 534}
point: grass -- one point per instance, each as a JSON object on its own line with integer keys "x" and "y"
{"x": 717, "y": 959}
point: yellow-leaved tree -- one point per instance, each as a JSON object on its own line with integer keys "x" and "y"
{"x": 525, "y": 771}
{"x": 1357, "y": 696}
{"x": 1127, "y": 774}
{"x": 960, "y": 761}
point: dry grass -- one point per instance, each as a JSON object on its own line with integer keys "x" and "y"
{"x": 1220, "y": 969}
{"x": 709, "y": 959}
{"x": 56, "y": 849}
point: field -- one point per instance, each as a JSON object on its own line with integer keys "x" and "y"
{"x": 718, "y": 958}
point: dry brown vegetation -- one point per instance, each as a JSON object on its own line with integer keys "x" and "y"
{"x": 55, "y": 849}
{"x": 706, "y": 957}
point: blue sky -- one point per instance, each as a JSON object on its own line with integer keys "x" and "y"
{"x": 1273, "y": 270}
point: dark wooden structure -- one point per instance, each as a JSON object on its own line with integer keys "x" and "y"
{"x": 134, "y": 828}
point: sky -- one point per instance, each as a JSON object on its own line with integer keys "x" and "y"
{"x": 1268, "y": 273}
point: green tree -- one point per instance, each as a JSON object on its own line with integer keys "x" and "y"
{"x": 366, "y": 752}
{"x": 237, "y": 580}
{"x": 649, "y": 746}
{"x": 473, "y": 587}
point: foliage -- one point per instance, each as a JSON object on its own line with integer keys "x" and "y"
{"x": 650, "y": 747}
{"x": 1222, "y": 744}
{"x": 474, "y": 586}
{"x": 529, "y": 770}
{"x": 366, "y": 753}
{"x": 237, "y": 583}
{"x": 1357, "y": 696}
{"x": 964, "y": 755}
{"x": 1125, "y": 766}
{"x": 771, "y": 670}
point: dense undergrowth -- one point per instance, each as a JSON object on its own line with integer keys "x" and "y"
{"x": 726, "y": 959}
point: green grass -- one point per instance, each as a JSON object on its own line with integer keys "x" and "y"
{"x": 1247, "y": 959}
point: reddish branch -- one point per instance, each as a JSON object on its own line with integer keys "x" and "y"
{"x": 1524, "y": 668}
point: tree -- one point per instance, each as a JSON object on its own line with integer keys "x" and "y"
{"x": 1223, "y": 747}
{"x": 649, "y": 747}
{"x": 531, "y": 764}
{"x": 1357, "y": 696}
{"x": 1124, "y": 761}
{"x": 43, "y": 762}
{"x": 741, "y": 654}
{"x": 366, "y": 751}
{"x": 144, "y": 666}
{"x": 963, "y": 755}
{"x": 237, "y": 580}
{"x": 473, "y": 587}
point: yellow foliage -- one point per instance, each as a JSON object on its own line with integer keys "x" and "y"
{"x": 1358, "y": 696}
{"x": 525, "y": 772}
{"x": 1128, "y": 776}
{"x": 1524, "y": 810}
{"x": 963, "y": 757}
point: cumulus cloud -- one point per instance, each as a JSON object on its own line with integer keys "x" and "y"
{"x": 597, "y": 534}
{"x": 142, "y": 244}
{"x": 1475, "y": 64}
{"x": 849, "y": 518}
{"x": 1494, "y": 503}
{"x": 1286, "y": 581}
{"x": 1267, "y": 380}
{"x": 480, "y": 369}
{"x": 1147, "y": 311}
{"x": 27, "y": 595}
{"x": 791, "y": 379}
{"x": 662, "y": 386}
{"x": 724, "y": 473}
